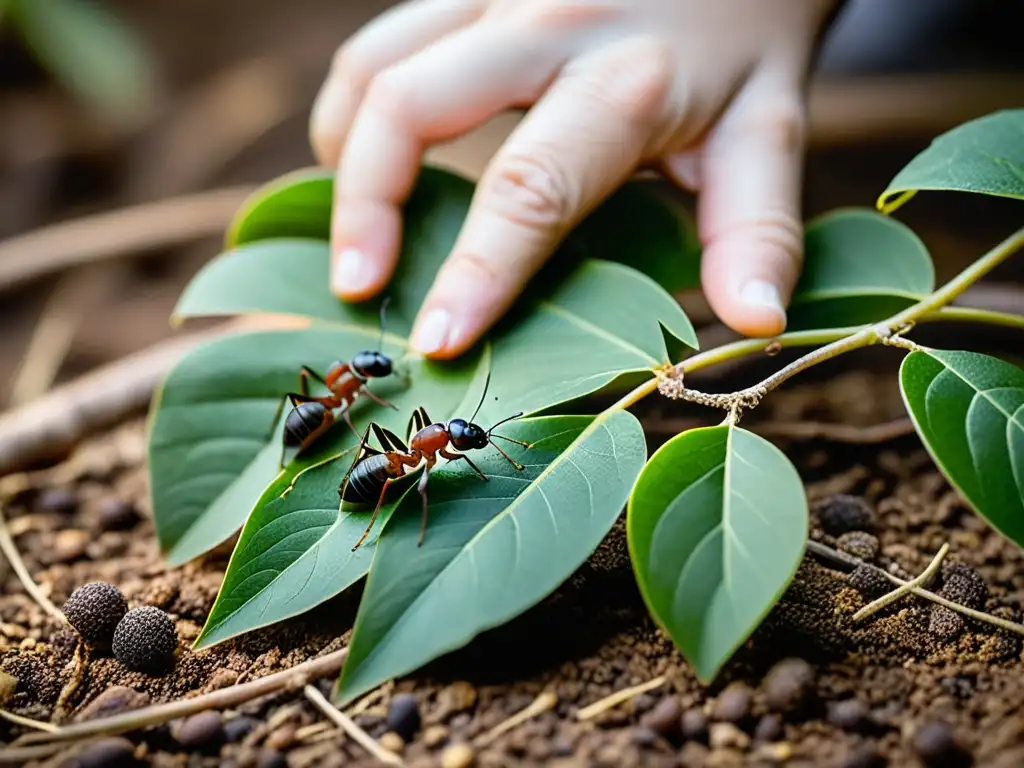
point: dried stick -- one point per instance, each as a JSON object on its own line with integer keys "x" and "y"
{"x": 28, "y": 722}
{"x": 613, "y": 700}
{"x": 346, "y": 723}
{"x": 848, "y": 562}
{"x": 545, "y": 701}
{"x": 904, "y": 589}
{"x": 117, "y": 233}
{"x": 10, "y": 551}
{"x": 296, "y": 676}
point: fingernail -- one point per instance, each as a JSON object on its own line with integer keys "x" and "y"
{"x": 761, "y": 293}
{"x": 432, "y": 331}
{"x": 350, "y": 272}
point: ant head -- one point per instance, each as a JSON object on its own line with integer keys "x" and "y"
{"x": 372, "y": 364}
{"x": 467, "y": 436}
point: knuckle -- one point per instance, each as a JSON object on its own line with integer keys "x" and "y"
{"x": 777, "y": 229}
{"x": 783, "y": 126}
{"x": 474, "y": 268}
{"x": 389, "y": 93}
{"x": 639, "y": 80}
{"x": 530, "y": 192}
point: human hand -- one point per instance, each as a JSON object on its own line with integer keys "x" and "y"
{"x": 711, "y": 92}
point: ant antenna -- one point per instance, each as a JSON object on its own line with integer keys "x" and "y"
{"x": 503, "y": 421}
{"x": 487, "y": 383}
{"x": 383, "y": 315}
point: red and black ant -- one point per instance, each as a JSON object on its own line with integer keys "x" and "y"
{"x": 372, "y": 472}
{"x": 311, "y": 416}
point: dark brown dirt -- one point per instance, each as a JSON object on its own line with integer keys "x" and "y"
{"x": 886, "y": 690}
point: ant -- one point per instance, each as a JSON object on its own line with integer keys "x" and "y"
{"x": 373, "y": 471}
{"x": 311, "y": 416}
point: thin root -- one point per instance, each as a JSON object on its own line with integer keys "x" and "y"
{"x": 904, "y": 589}
{"x": 346, "y": 723}
{"x": 609, "y": 702}
{"x": 545, "y": 701}
{"x": 10, "y": 551}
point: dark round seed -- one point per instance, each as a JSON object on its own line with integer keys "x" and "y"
{"x": 664, "y": 718}
{"x": 694, "y": 724}
{"x": 111, "y": 752}
{"x": 270, "y": 758}
{"x": 59, "y": 500}
{"x": 945, "y": 623}
{"x": 404, "y": 716}
{"x": 95, "y": 610}
{"x": 859, "y": 544}
{"x": 787, "y": 686}
{"x": 936, "y": 745}
{"x": 843, "y": 513}
{"x": 869, "y": 582}
{"x": 117, "y": 515}
{"x": 145, "y": 640}
{"x": 769, "y": 728}
{"x": 733, "y": 703}
{"x": 643, "y": 736}
{"x": 237, "y": 728}
{"x": 201, "y": 731}
{"x": 962, "y": 584}
{"x": 849, "y": 715}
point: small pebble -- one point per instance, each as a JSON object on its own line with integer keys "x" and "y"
{"x": 435, "y": 736}
{"x": 643, "y": 737}
{"x": 859, "y": 544}
{"x": 936, "y": 745}
{"x": 788, "y": 685}
{"x": 733, "y": 703}
{"x": 726, "y": 736}
{"x": 59, "y": 500}
{"x": 67, "y": 546}
{"x": 769, "y": 728}
{"x": 113, "y": 701}
{"x": 117, "y": 515}
{"x": 664, "y": 718}
{"x": 204, "y": 730}
{"x": 112, "y": 752}
{"x": 863, "y": 756}
{"x": 644, "y": 703}
{"x": 944, "y": 623}
{"x": 237, "y": 728}
{"x": 694, "y": 725}
{"x": 270, "y": 758}
{"x": 282, "y": 738}
{"x": 843, "y": 513}
{"x": 392, "y": 742}
{"x": 404, "y": 716}
{"x": 849, "y": 714}
{"x": 458, "y": 756}
{"x": 460, "y": 696}
{"x": 869, "y": 582}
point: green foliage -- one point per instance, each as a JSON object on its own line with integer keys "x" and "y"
{"x": 984, "y": 156}
{"x": 717, "y": 525}
{"x": 492, "y": 550}
{"x": 968, "y": 409}
{"x": 717, "y": 519}
{"x": 89, "y": 50}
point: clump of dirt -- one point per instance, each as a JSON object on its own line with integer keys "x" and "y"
{"x": 913, "y": 684}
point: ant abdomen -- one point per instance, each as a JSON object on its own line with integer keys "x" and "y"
{"x": 303, "y": 420}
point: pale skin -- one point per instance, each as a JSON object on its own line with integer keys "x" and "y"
{"x": 711, "y": 92}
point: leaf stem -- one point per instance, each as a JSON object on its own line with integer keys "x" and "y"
{"x": 903, "y": 589}
{"x": 974, "y": 315}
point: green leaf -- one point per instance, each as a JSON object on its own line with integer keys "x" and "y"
{"x": 91, "y": 51}
{"x": 492, "y": 549}
{"x": 640, "y": 225}
{"x": 211, "y": 451}
{"x": 984, "y": 156}
{"x": 717, "y": 525}
{"x": 969, "y": 411}
{"x": 859, "y": 267}
{"x": 297, "y": 204}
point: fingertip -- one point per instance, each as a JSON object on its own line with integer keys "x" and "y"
{"x": 749, "y": 294}
{"x": 364, "y": 245}
{"x": 329, "y": 120}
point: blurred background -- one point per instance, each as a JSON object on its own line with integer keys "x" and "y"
{"x": 130, "y": 131}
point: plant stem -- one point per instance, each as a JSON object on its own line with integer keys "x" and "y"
{"x": 904, "y": 589}
{"x": 973, "y": 315}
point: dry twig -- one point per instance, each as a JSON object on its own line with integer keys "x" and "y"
{"x": 904, "y": 589}
{"x": 609, "y": 702}
{"x": 28, "y": 722}
{"x": 346, "y": 723}
{"x": 545, "y": 701}
{"x": 10, "y": 551}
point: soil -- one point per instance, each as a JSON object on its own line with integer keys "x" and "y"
{"x": 880, "y": 692}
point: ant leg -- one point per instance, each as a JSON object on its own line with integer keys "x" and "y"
{"x": 348, "y": 420}
{"x": 508, "y": 458}
{"x": 513, "y": 440}
{"x": 343, "y": 486}
{"x": 456, "y": 456}
{"x": 378, "y": 399}
{"x": 305, "y": 374}
{"x": 376, "y": 511}
{"x": 421, "y": 486}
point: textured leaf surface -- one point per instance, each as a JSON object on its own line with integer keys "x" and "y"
{"x": 984, "y": 156}
{"x": 717, "y": 525}
{"x": 969, "y": 411}
{"x": 492, "y": 549}
{"x": 859, "y": 267}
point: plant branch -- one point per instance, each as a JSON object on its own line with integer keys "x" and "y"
{"x": 848, "y": 562}
{"x": 296, "y": 676}
{"x": 904, "y": 589}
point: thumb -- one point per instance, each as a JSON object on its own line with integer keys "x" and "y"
{"x": 749, "y": 209}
